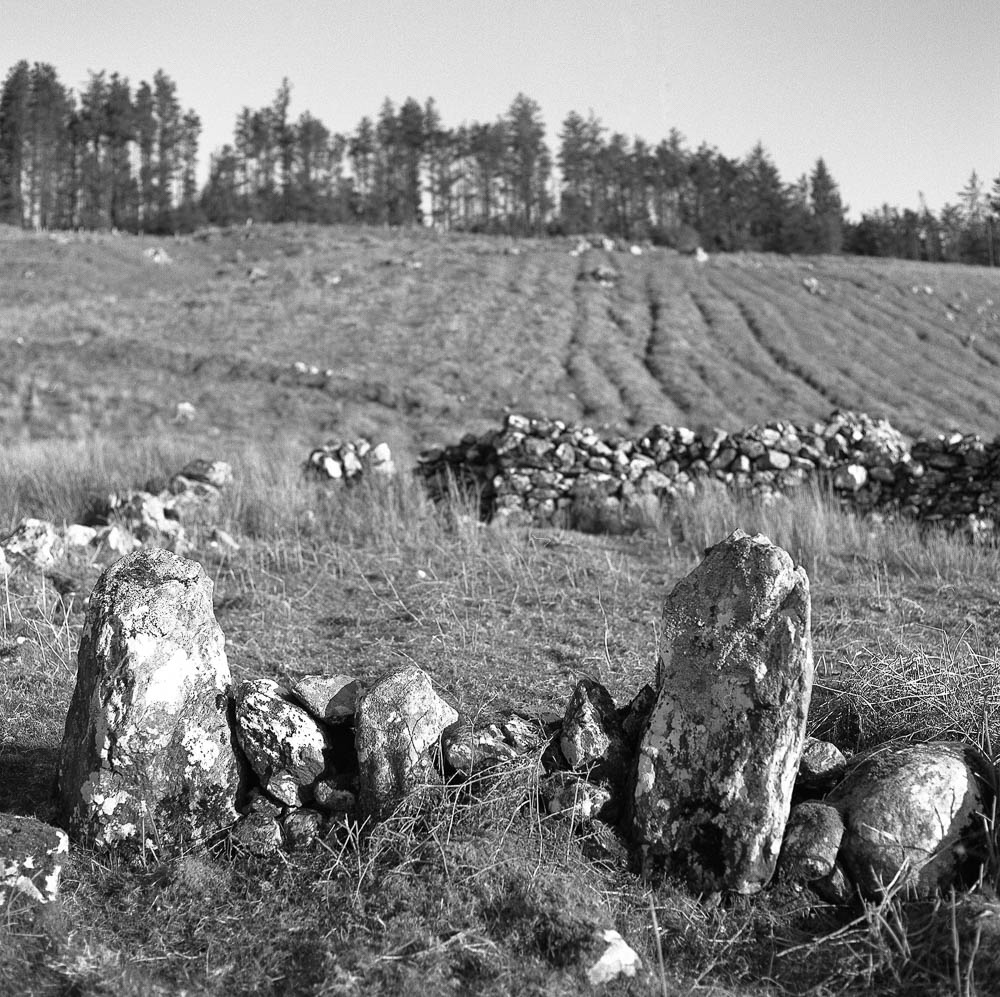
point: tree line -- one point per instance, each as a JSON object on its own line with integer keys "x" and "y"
{"x": 117, "y": 157}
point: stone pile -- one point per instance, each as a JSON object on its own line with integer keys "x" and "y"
{"x": 699, "y": 771}
{"x": 122, "y": 522}
{"x": 350, "y": 461}
{"x": 545, "y": 470}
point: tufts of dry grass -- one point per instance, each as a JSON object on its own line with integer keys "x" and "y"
{"x": 472, "y": 888}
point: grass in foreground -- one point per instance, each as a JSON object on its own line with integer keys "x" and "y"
{"x": 477, "y": 892}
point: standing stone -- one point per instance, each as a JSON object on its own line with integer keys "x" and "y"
{"x": 147, "y": 757}
{"x": 717, "y": 762}
{"x": 399, "y": 722}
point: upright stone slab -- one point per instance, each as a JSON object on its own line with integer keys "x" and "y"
{"x": 399, "y": 722}
{"x": 718, "y": 757}
{"x": 147, "y": 758}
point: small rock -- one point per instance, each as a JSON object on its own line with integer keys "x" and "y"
{"x": 820, "y": 765}
{"x": 34, "y": 542}
{"x": 31, "y": 858}
{"x": 812, "y": 840}
{"x": 591, "y": 738}
{"x": 76, "y": 535}
{"x": 570, "y": 794}
{"x": 301, "y": 826}
{"x": 619, "y": 959}
{"x": 328, "y": 697}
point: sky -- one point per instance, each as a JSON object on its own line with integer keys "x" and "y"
{"x": 899, "y": 97}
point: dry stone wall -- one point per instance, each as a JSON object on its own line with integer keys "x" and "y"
{"x": 549, "y": 471}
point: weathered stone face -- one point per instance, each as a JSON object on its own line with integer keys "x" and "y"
{"x": 591, "y": 739}
{"x": 717, "y": 761}
{"x": 399, "y": 722}
{"x": 910, "y": 811}
{"x": 282, "y": 742}
{"x": 146, "y": 757}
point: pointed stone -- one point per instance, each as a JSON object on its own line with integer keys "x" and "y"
{"x": 717, "y": 761}
{"x": 591, "y": 739}
{"x": 147, "y": 758}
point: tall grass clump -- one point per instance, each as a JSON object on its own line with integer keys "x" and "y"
{"x": 58, "y": 480}
{"x": 809, "y": 523}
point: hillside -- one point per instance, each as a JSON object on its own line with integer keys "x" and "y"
{"x": 283, "y": 337}
{"x": 416, "y": 337}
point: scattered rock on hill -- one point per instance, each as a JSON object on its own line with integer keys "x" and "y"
{"x": 349, "y": 462}
{"x": 33, "y": 542}
{"x": 146, "y": 758}
{"x": 717, "y": 760}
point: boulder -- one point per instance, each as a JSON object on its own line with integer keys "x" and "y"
{"x": 147, "y": 756}
{"x": 913, "y": 812}
{"x": 31, "y": 858}
{"x": 283, "y": 744}
{"x": 717, "y": 760}
{"x": 398, "y": 726}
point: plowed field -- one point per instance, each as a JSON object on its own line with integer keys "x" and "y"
{"x": 416, "y": 338}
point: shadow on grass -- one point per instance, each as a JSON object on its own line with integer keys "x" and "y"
{"x": 27, "y": 780}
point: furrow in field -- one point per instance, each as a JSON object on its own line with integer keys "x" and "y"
{"x": 897, "y": 362}
{"x": 702, "y": 353}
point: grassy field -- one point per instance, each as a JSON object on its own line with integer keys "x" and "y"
{"x": 478, "y": 894}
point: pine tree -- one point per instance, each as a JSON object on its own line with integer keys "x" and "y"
{"x": 528, "y": 165}
{"x": 167, "y": 112}
{"x": 13, "y": 139}
{"x": 827, "y": 210}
